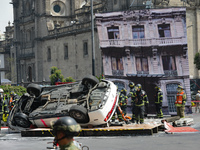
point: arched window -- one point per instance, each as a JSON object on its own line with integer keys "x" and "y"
{"x": 30, "y": 74}
{"x": 171, "y": 95}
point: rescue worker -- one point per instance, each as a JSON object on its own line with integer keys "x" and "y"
{"x": 141, "y": 100}
{"x": 3, "y": 108}
{"x": 132, "y": 94}
{"x": 180, "y": 102}
{"x": 122, "y": 103}
{"x": 158, "y": 101}
{"x": 13, "y": 99}
{"x": 123, "y": 99}
{"x": 197, "y": 103}
{"x": 64, "y": 129}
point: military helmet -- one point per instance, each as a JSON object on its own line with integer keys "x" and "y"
{"x": 131, "y": 84}
{"x": 139, "y": 86}
{"x": 67, "y": 125}
{"x": 123, "y": 91}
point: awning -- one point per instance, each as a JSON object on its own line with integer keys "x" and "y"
{"x": 5, "y": 81}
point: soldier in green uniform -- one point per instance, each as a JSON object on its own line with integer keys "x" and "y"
{"x": 64, "y": 129}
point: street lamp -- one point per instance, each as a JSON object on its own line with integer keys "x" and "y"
{"x": 92, "y": 37}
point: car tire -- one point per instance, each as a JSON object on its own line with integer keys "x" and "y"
{"x": 34, "y": 89}
{"x": 79, "y": 113}
{"x": 90, "y": 79}
{"x": 21, "y": 120}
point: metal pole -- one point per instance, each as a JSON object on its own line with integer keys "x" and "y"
{"x": 92, "y": 37}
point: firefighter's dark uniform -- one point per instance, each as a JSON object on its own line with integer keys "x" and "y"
{"x": 158, "y": 102}
{"x": 140, "y": 100}
{"x": 132, "y": 94}
{"x": 3, "y": 108}
{"x": 122, "y": 103}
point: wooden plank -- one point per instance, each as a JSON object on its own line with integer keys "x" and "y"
{"x": 125, "y": 130}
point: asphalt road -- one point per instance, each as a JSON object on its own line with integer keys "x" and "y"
{"x": 161, "y": 140}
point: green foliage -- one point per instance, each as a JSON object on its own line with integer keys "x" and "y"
{"x": 69, "y": 79}
{"x": 56, "y": 76}
{"x": 19, "y": 90}
{"x": 100, "y": 77}
{"x": 197, "y": 60}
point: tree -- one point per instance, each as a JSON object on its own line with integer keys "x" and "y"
{"x": 197, "y": 60}
{"x": 56, "y": 75}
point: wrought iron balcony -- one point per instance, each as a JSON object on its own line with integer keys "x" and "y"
{"x": 118, "y": 72}
{"x": 170, "y": 73}
{"x": 143, "y": 42}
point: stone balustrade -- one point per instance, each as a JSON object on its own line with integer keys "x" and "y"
{"x": 143, "y": 42}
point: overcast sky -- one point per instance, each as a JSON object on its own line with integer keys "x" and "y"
{"x": 6, "y": 14}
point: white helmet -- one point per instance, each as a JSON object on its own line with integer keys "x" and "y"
{"x": 1, "y": 90}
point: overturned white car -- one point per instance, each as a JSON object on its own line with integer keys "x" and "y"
{"x": 89, "y": 102}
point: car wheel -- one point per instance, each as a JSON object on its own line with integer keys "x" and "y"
{"x": 34, "y": 89}
{"x": 21, "y": 120}
{"x": 90, "y": 80}
{"x": 79, "y": 113}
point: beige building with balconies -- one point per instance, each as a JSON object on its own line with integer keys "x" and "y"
{"x": 147, "y": 47}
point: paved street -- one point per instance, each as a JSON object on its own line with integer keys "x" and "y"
{"x": 161, "y": 140}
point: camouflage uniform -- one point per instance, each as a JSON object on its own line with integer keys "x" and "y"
{"x": 69, "y": 146}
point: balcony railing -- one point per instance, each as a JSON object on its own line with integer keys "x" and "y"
{"x": 118, "y": 72}
{"x": 70, "y": 29}
{"x": 170, "y": 73}
{"x": 142, "y": 72}
{"x": 143, "y": 42}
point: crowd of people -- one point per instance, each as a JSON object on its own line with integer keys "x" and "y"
{"x": 140, "y": 102}
{"x": 6, "y": 104}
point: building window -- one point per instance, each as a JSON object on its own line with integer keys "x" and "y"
{"x": 169, "y": 62}
{"x": 113, "y": 33}
{"x": 65, "y": 51}
{"x": 85, "y": 48}
{"x": 115, "y": 2}
{"x": 164, "y": 30}
{"x": 142, "y": 65}
{"x": 138, "y": 32}
{"x": 169, "y": 66}
{"x": 57, "y": 8}
{"x": 49, "y": 54}
{"x": 117, "y": 64}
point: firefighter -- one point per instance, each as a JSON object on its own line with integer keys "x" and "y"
{"x": 3, "y": 109}
{"x": 13, "y": 99}
{"x": 158, "y": 101}
{"x": 122, "y": 103}
{"x": 64, "y": 129}
{"x": 141, "y": 100}
{"x": 180, "y": 102}
{"x": 132, "y": 94}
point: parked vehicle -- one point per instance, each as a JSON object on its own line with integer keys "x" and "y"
{"x": 89, "y": 102}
